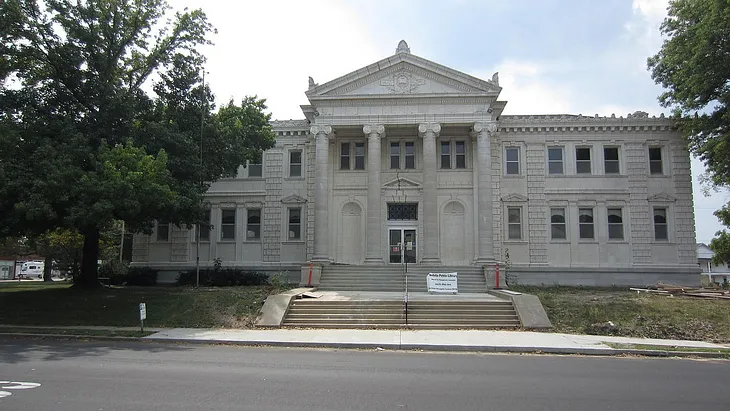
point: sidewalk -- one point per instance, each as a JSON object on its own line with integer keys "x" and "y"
{"x": 432, "y": 340}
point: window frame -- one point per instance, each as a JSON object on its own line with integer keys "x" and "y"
{"x": 512, "y": 224}
{"x": 666, "y": 223}
{"x": 249, "y": 211}
{"x": 453, "y": 156}
{"x": 518, "y": 161}
{"x": 345, "y": 154}
{"x": 289, "y": 223}
{"x": 661, "y": 150}
{"x": 402, "y": 154}
{"x": 223, "y": 225}
{"x": 620, "y": 224}
{"x": 582, "y": 224}
{"x": 578, "y": 162}
{"x": 200, "y": 230}
{"x": 291, "y": 164}
{"x": 564, "y": 212}
{"x": 356, "y": 156}
{"x": 158, "y": 231}
{"x": 561, "y": 161}
{"x": 617, "y": 161}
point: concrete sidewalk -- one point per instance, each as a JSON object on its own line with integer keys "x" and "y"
{"x": 437, "y": 340}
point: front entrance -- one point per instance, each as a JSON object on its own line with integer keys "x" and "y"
{"x": 402, "y": 244}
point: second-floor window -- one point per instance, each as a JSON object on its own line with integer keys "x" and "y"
{"x": 610, "y": 160}
{"x": 512, "y": 161}
{"x": 555, "y": 160}
{"x": 583, "y": 160}
{"x": 295, "y": 163}
{"x": 655, "y": 161}
{"x": 402, "y": 155}
{"x": 453, "y": 154}
{"x": 352, "y": 156}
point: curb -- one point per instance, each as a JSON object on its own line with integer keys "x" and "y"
{"x": 605, "y": 352}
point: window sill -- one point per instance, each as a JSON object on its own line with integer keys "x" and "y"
{"x": 253, "y": 178}
{"x": 341, "y": 171}
{"x": 227, "y": 241}
{"x": 294, "y": 178}
{"x": 561, "y": 241}
{"x": 255, "y": 241}
{"x": 659, "y": 175}
{"x": 514, "y": 242}
{"x": 201, "y": 242}
{"x": 587, "y": 241}
{"x": 662, "y": 242}
{"x": 612, "y": 241}
{"x": 293, "y": 242}
{"x": 586, "y": 176}
{"x": 515, "y": 176}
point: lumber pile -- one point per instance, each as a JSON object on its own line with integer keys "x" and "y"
{"x": 680, "y": 291}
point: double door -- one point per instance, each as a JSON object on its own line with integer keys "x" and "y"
{"x": 402, "y": 245}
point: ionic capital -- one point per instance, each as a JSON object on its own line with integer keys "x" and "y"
{"x": 370, "y": 129}
{"x": 425, "y": 128}
{"x": 320, "y": 129}
{"x": 489, "y": 127}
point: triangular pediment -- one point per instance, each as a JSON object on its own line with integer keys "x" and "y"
{"x": 514, "y": 197}
{"x": 404, "y": 184}
{"x": 405, "y": 74}
{"x": 293, "y": 199}
{"x": 662, "y": 197}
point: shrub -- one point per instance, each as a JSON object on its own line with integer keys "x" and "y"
{"x": 223, "y": 277}
{"x": 141, "y": 276}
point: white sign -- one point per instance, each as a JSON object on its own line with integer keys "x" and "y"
{"x": 442, "y": 283}
{"x": 142, "y": 311}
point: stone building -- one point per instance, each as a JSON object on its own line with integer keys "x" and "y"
{"x": 407, "y": 159}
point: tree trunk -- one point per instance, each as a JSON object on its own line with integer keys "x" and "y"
{"x": 48, "y": 268}
{"x": 89, "y": 260}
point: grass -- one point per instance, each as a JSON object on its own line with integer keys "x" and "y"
{"x": 74, "y": 332}
{"x": 63, "y": 305}
{"x": 589, "y": 310}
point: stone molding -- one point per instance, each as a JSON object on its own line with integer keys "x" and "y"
{"x": 320, "y": 129}
{"x": 425, "y": 128}
{"x": 490, "y": 127}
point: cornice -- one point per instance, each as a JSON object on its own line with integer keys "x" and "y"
{"x": 639, "y": 121}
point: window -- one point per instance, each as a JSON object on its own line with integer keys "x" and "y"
{"x": 555, "y": 160}
{"x": 163, "y": 231}
{"x": 295, "y": 224}
{"x": 204, "y": 228}
{"x": 655, "y": 160}
{"x": 410, "y": 155}
{"x": 359, "y": 156}
{"x": 615, "y": 224}
{"x": 295, "y": 163}
{"x": 557, "y": 224}
{"x": 610, "y": 160}
{"x": 583, "y": 160}
{"x": 403, "y": 211}
{"x": 514, "y": 223}
{"x": 585, "y": 223}
{"x": 445, "y": 155}
{"x": 395, "y": 155}
{"x": 460, "y": 151}
{"x": 228, "y": 224}
{"x": 345, "y": 156}
{"x": 255, "y": 167}
{"x": 253, "y": 224}
{"x": 660, "y": 224}
{"x": 512, "y": 155}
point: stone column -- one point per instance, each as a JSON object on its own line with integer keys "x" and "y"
{"x": 321, "y": 135}
{"x": 484, "y": 212}
{"x": 429, "y": 132}
{"x": 374, "y": 249}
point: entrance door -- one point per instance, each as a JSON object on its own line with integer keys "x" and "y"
{"x": 402, "y": 242}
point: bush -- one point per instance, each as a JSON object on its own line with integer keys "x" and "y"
{"x": 223, "y": 277}
{"x": 120, "y": 274}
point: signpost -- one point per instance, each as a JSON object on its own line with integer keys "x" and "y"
{"x": 442, "y": 283}
{"x": 142, "y": 315}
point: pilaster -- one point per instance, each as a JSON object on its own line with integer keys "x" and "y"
{"x": 374, "y": 250}
{"x": 485, "y": 219}
{"x": 429, "y": 132}
{"x": 321, "y": 135}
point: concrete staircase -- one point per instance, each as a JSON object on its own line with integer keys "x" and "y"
{"x": 391, "y": 278}
{"x": 422, "y": 314}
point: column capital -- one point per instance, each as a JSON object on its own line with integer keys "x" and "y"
{"x": 489, "y": 127}
{"x": 320, "y": 129}
{"x": 370, "y": 129}
{"x": 425, "y": 128}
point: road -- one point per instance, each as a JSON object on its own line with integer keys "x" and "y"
{"x": 82, "y": 376}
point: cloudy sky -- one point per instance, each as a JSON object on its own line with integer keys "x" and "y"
{"x": 553, "y": 56}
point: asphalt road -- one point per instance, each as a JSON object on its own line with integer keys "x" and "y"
{"x": 83, "y": 376}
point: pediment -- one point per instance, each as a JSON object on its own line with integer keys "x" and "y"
{"x": 405, "y": 75}
{"x": 662, "y": 197}
{"x": 293, "y": 199}
{"x": 514, "y": 197}
{"x": 404, "y": 184}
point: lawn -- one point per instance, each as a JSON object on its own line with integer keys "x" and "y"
{"x": 589, "y": 310}
{"x": 27, "y": 304}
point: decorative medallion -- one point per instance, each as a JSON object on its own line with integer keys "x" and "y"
{"x": 402, "y": 83}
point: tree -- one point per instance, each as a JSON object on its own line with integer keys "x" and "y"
{"x": 693, "y": 66}
{"x": 83, "y": 145}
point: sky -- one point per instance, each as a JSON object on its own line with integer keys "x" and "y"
{"x": 553, "y": 56}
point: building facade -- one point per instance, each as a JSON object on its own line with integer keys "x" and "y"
{"x": 407, "y": 154}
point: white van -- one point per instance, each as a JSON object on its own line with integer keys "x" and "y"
{"x": 32, "y": 269}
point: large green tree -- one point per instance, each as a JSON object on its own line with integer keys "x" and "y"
{"x": 83, "y": 144}
{"x": 693, "y": 66}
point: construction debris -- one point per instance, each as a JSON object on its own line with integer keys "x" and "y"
{"x": 676, "y": 290}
